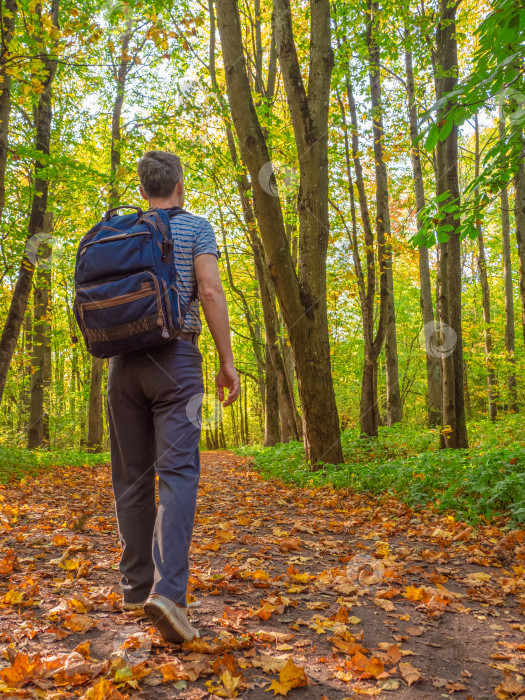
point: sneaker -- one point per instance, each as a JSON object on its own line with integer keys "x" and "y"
{"x": 170, "y": 619}
{"x": 133, "y": 607}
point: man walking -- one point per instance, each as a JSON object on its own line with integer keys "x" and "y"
{"x": 153, "y": 428}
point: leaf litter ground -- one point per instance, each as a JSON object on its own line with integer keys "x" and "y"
{"x": 301, "y": 593}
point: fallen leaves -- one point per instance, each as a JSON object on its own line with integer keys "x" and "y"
{"x": 510, "y": 688}
{"x": 65, "y": 669}
{"x": 79, "y": 623}
{"x": 9, "y": 563}
{"x": 290, "y": 676}
{"x": 334, "y": 575}
{"x": 410, "y": 674}
{"x": 276, "y": 604}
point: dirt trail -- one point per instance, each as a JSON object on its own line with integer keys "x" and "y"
{"x": 310, "y": 593}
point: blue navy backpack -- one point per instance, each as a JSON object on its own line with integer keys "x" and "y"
{"x": 126, "y": 295}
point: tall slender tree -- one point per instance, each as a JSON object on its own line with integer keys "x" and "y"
{"x": 485, "y": 298}
{"x": 302, "y": 296}
{"x": 42, "y": 121}
{"x": 8, "y": 12}
{"x": 383, "y": 228}
{"x": 510, "y": 335}
{"x": 281, "y": 419}
{"x": 519, "y": 215}
{"x": 365, "y": 270}
{"x": 38, "y": 430}
{"x": 121, "y": 69}
{"x": 433, "y": 364}
{"x": 454, "y": 433}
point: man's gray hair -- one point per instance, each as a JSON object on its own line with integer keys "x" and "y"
{"x": 159, "y": 172}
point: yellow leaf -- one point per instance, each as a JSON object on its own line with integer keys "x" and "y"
{"x": 13, "y": 597}
{"x": 59, "y": 541}
{"x": 291, "y": 676}
{"x": 21, "y": 670}
{"x": 79, "y": 623}
{"x": 172, "y": 672}
{"x": 83, "y": 648}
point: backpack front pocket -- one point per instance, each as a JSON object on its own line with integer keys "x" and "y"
{"x": 111, "y": 313}
{"x": 108, "y": 255}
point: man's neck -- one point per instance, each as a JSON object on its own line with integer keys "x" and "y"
{"x": 165, "y": 203}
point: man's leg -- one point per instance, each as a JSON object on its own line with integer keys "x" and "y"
{"x": 177, "y": 431}
{"x": 133, "y": 471}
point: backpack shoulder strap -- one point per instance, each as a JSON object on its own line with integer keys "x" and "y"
{"x": 176, "y": 210}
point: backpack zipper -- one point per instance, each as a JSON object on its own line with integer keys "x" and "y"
{"x": 180, "y": 320}
{"x": 161, "y": 320}
{"x": 119, "y": 237}
{"x": 116, "y": 301}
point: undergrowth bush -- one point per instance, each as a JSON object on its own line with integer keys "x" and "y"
{"x": 484, "y": 481}
{"x": 17, "y": 462}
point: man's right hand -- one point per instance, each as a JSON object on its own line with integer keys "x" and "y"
{"x": 228, "y": 379}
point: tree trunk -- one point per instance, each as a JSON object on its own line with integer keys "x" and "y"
{"x": 7, "y": 26}
{"x": 38, "y": 432}
{"x": 246, "y": 421}
{"x": 302, "y": 298}
{"x": 425, "y": 287}
{"x": 271, "y": 403}
{"x": 289, "y": 373}
{"x": 519, "y": 213}
{"x": 383, "y": 230}
{"x": 485, "y": 298}
{"x": 95, "y": 413}
{"x": 256, "y": 345}
{"x": 454, "y": 433}
{"x": 369, "y": 418}
{"x": 286, "y": 398}
{"x": 121, "y": 77}
{"x": 22, "y": 290}
{"x": 510, "y": 335}
{"x": 24, "y": 402}
{"x": 286, "y": 401}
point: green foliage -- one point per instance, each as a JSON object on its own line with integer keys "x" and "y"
{"x": 496, "y": 80}
{"x": 485, "y": 481}
{"x": 17, "y": 462}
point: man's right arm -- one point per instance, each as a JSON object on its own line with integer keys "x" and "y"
{"x": 213, "y": 301}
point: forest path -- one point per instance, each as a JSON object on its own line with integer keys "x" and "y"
{"x": 368, "y": 596}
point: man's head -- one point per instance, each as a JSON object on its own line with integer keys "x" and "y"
{"x": 160, "y": 175}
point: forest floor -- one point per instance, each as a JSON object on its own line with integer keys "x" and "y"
{"x": 312, "y": 593}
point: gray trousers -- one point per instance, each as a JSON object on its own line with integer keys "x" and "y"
{"x": 154, "y": 400}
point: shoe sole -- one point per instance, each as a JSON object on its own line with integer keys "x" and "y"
{"x": 169, "y": 627}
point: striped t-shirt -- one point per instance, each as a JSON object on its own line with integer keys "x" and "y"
{"x": 192, "y": 236}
